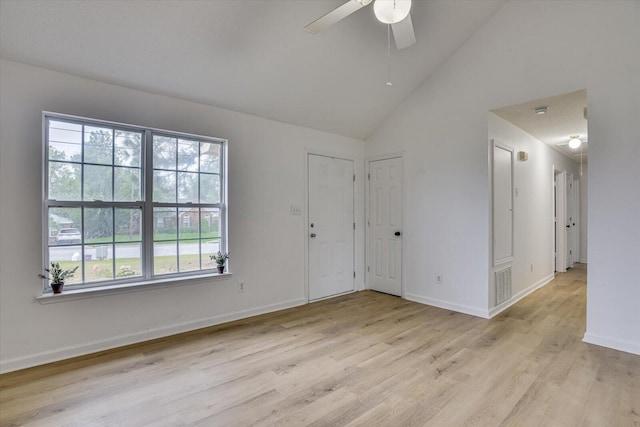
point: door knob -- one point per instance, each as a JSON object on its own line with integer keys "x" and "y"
{"x": 313, "y": 235}
{"x": 397, "y": 233}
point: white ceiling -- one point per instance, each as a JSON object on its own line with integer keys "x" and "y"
{"x": 565, "y": 117}
{"x": 248, "y": 56}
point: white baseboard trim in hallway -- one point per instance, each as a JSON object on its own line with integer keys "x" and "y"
{"x": 517, "y": 297}
{"x": 473, "y": 311}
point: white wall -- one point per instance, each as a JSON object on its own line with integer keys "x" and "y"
{"x": 533, "y": 208}
{"x": 267, "y": 244}
{"x": 527, "y": 50}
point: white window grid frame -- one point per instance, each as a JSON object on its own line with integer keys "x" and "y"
{"x": 146, "y": 205}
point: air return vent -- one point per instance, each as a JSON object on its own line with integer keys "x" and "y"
{"x": 503, "y": 285}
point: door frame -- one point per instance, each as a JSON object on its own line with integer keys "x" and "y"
{"x": 367, "y": 237}
{"x": 333, "y": 155}
{"x": 560, "y": 249}
{"x": 508, "y": 259}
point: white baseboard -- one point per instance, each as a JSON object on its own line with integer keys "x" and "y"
{"x": 616, "y": 344}
{"x": 517, "y": 297}
{"x": 31, "y": 360}
{"x": 583, "y": 261}
{"x": 474, "y": 311}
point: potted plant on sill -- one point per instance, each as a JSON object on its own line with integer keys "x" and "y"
{"x": 57, "y": 275}
{"x": 220, "y": 260}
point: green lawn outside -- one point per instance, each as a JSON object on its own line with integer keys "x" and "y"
{"x": 99, "y": 270}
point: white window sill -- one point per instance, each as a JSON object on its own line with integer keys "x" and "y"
{"x": 84, "y": 293}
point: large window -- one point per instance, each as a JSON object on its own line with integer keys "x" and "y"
{"x": 131, "y": 204}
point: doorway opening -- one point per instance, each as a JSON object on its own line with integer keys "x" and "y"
{"x": 548, "y": 193}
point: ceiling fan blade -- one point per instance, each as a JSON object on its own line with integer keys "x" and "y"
{"x": 403, "y": 33}
{"x": 334, "y": 16}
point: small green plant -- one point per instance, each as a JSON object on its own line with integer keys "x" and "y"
{"x": 220, "y": 258}
{"x": 56, "y": 274}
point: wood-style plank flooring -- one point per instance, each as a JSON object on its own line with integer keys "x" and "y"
{"x": 358, "y": 360}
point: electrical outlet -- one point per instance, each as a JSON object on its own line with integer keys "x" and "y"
{"x": 240, "y": 287}
{"x": 439, "y": 279}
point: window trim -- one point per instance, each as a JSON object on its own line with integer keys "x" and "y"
{"x": 146, "y": 205}
{"x": 124, "y": 288}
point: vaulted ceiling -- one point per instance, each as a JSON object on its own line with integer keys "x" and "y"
{"x": 247, "y": 56}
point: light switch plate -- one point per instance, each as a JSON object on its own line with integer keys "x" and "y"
{"x": 296, "y": 209}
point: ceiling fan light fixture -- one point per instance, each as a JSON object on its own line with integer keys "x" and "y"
{"x": 391, "y": 11}
{"x": 574, "y": 142}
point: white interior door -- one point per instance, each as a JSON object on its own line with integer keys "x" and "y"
{"x": 569, "y": 221}
{"x": 384, "y": 254}
{"x": 575, "y": 222}
{"x": 502, "y": 205}
{"x": 561, "y": 230}
{"x": 331, "y": 226}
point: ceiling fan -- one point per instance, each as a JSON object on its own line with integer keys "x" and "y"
{"x": 574, "y": 142}
{"x": 392, "y": 12}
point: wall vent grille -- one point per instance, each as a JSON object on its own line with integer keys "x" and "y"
{"x": 503, "y": 285}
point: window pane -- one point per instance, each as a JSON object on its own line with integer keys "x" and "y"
{"x": 164, "y": 187}
{"x": 210, "y": 223}
{"x": 64, "y": 181}
{"x": 65, "y": 226}
{"x": 128, "y": 258}
{"x": 187, "y": 187}
{"x": 98, "y": 183}
{"x": 98, "y": 225}
{"x": 98, "y": 262}
{"x": 128, "y": 224}
{"x": 188, "y": 223}
{"x": 127, "y": 184}
{"x": 128, "y": 148}
{"x": 165, "y": 259}
{"x": 164, "y": 152}
{"x": 65, "y": 141}
{"x": 188, "y": 155}
{"x": 164, "y": 224}
{"x": 98, "y": 145}
{"x": 209, "y": 188}
{"x": 65, "y": 257}
{"x": 209, "y": 157}
{"x": 189, "y": 255}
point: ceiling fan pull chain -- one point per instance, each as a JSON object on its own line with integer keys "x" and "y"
{"x": 389, "y": 55}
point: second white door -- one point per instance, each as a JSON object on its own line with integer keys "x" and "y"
{"x": 384, "y": 252}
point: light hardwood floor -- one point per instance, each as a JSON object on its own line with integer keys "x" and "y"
{"x": 362, "y": 359}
